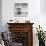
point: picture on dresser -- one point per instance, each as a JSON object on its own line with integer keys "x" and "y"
{"x": 20, "y": 9}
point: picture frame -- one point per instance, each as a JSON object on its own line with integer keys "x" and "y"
{"x": 20, "y": 9}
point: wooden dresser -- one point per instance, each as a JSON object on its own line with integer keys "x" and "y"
{"x": 22, "y": 33}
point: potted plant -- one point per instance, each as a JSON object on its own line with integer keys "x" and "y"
{"x": 41, "y": 36}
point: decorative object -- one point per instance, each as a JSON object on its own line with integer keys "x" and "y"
{"x": 7, "y": 38}
{"x": 1, "y": 40}
{"x": 27, "y": 21}
{"x": 20, "y": 9}
{"x": 41, "y": 36}
{"x": 13, "y": 21}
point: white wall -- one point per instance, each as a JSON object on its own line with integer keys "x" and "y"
{"x": 43, "y": 6}
{"x": 43, "y": 14}
{"x": 33, "y": 14}
{"x": 0, "y": 15}
{"x": 36, "y": 19}
{"x": 8, "y": 10}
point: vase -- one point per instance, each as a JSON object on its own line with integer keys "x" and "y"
{"x": 41, "y": 43}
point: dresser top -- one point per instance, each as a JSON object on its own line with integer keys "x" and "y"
{"x": 19, "y": 23}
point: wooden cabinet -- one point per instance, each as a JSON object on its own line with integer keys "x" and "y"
{"x": 22, "y": 33}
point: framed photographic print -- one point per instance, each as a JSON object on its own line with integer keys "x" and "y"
{"x": 20, "y": 9}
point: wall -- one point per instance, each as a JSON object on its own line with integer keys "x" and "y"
{"x": 8, "y": 11}
{"x": 33, "y": 14}
{"x": 0, "y": 14}
{"x": 43, "y": 14}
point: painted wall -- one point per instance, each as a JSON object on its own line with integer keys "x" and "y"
{"x": 0, "y": 15}
{"x": 43, "y": 14}
{"x": 8, "y": 11}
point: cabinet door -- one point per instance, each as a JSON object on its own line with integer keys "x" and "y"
{"x": 20, "y": 37}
